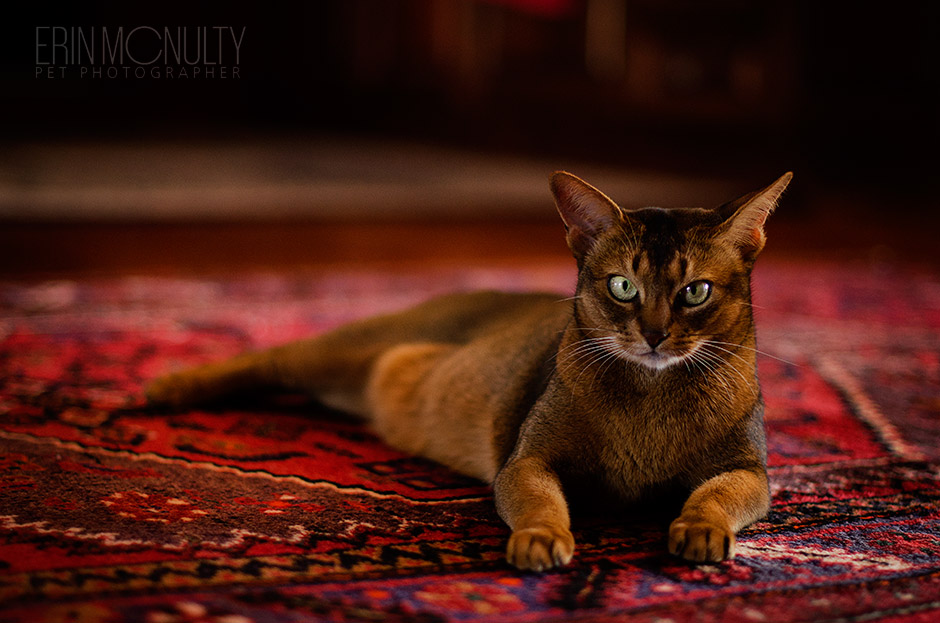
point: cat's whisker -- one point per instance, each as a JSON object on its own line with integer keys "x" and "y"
{"x": 711, "y": 344}
{"x": 714, "y": 344}
{"x": 580, "y": 346}
{"x": 591, "y": 361}
{"x": 756, "y": 350}
{"x": 576, "y": 345}
{"x": 603, "y": 355}
{"x": 715, "y": 358}
{"x": 709, "y": 371}
{"x": 577, "y": 348}
{"x": 717, "y": 363}
{"x": 749, "y": 304}
{"x": 585, "y": 350}
{"x": 697, "y": 358}
{"x": 603, "y": 365}
{"x": 726, "y": 365}
{"x": 583, "y": 356}
{"x": 596, "y": 364}
{"x": 585, "y": 360}
{"x": 712, "y": 370}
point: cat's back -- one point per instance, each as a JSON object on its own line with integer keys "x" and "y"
{"x": 469, "y": 316}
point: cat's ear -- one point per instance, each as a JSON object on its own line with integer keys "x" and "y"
{"x": 745, "y": 217}
{"x": 586, "y": 211}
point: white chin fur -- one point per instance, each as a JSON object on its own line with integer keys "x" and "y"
{"x": 655, "y": 360}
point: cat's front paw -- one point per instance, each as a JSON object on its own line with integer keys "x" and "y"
{"x": 540, "y": 548}
{"x": 700, "y": 540}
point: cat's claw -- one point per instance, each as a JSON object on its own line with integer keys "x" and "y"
{"x": 540, "y": 549}
{"x": 700, "y": 540}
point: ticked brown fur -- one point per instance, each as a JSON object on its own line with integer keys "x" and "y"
{"x": 637, "y": 384}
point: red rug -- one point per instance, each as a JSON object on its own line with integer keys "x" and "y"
{"x": 277, "y": 512}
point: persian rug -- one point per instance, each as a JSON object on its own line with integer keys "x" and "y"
{"x": 278, "y": 511}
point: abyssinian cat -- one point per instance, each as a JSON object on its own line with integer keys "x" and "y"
{"x": 645, "y": 381}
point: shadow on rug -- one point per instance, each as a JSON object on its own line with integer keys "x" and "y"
{"x": 268, "y": 513}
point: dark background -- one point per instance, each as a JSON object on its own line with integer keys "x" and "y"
{"x": 844, "y": 93}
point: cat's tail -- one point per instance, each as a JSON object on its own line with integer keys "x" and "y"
{"x": 211, "y": 382}
{"x": 334, "y": 368}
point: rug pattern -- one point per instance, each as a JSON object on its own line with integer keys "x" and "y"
{"x": 279, "y": 511}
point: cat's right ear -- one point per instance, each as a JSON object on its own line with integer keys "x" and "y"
{"x": 745, "y": 217}
{"x": 586, "y": 211}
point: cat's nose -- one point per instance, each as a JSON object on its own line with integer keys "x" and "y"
{"x": 654, "y": 337}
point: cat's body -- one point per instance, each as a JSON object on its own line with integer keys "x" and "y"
{"x": 644, "y": 381}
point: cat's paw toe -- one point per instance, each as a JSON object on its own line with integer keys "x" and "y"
{"x": 539, "y": 549}
{"x": 700, "y": 540}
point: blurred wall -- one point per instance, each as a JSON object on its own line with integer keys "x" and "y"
{"x": 846, "y": 90}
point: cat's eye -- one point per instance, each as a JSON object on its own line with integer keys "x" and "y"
{"x": 621, "y": 288}
{"x": 695, "y": 293}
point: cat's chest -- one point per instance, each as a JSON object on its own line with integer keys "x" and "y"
{"x": 650, "y": 440}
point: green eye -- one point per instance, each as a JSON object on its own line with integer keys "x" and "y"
{"x": 621, "y": 288}
{"x": 695, "y": 293}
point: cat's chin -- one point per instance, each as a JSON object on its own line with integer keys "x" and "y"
{"x": 655, "y": 360}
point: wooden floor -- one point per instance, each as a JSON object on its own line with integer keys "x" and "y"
{"x": 75, "y": 211}
{"x": 56, "y": 250}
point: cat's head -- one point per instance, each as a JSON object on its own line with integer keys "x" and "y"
{"x": 659, "y": 286}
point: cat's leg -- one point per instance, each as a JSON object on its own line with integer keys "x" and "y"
{"x": 530, "y": 500}
{"x": 716, "y": 511}
{"x": 395, "y": 399}
{"x": 335, "y": 367}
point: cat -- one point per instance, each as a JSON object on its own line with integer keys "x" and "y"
{"x": 644, "y": 381}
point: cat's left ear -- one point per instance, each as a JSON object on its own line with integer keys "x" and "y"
{"x": 745, "y": 217}
{"x": 586, "y": 211}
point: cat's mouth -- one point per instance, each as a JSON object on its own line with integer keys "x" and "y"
{"x": 656, "y": 358}
{"x": 659, "y": 357}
